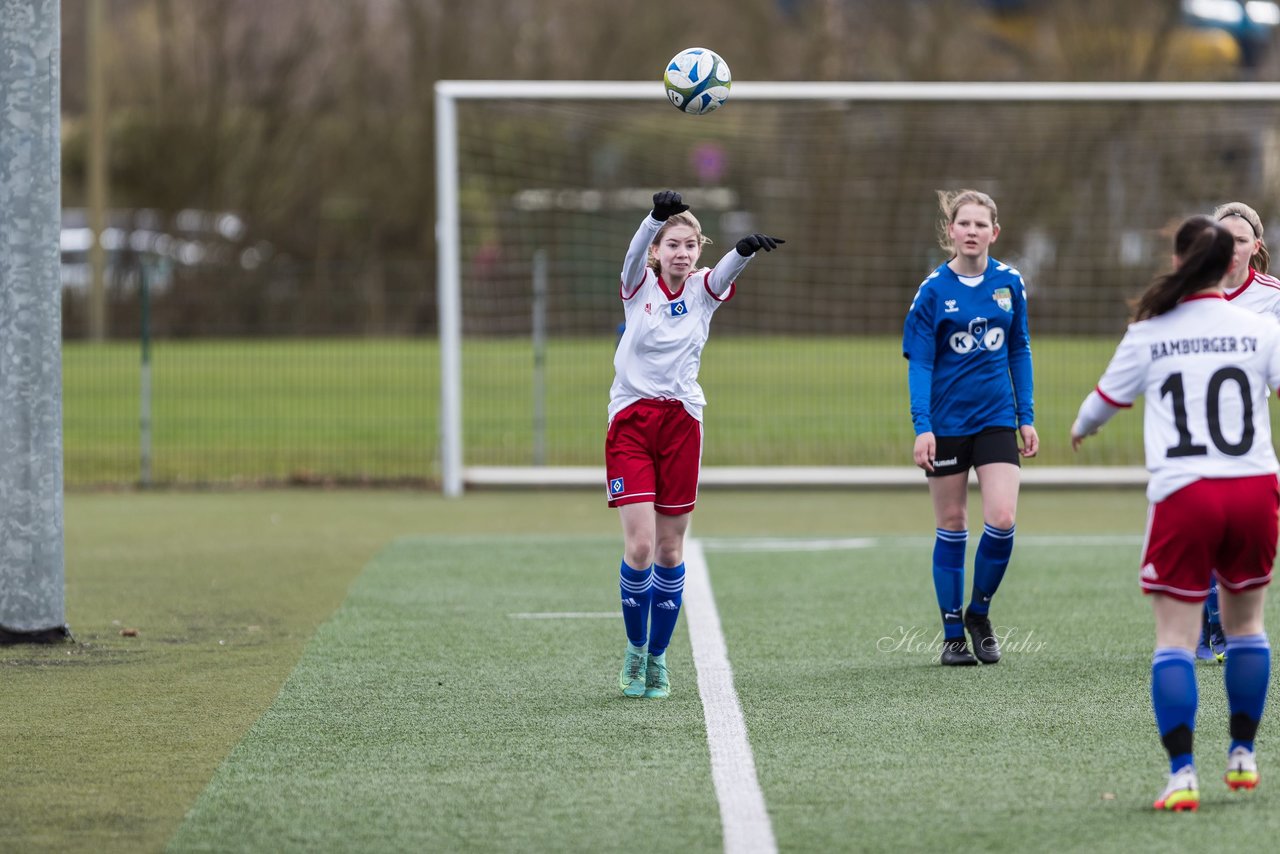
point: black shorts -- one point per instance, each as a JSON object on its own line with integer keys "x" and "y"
{"x": 957, "y": 454}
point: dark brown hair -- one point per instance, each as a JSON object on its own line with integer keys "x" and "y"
{"x": 1204, "y": 251}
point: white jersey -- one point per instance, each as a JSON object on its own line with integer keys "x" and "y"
{"x": 1205, "y": 368}
{"x": 1260, "y": 293}
{"x": 660, "y": 351}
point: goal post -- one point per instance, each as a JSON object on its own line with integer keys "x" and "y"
{"x": 804, "y": 375}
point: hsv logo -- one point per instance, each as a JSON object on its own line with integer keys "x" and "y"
{"x": 678, "y": 309}
{"x": 615, "y": 486}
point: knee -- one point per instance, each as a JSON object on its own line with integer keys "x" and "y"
{"x": 1002, "y": 519}
{"x": 639, "y": 553}
{"x": 670, "y": 554}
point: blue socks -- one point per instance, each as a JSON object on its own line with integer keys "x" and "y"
{"x": 1211, "y": 612}
{"x": 989, "y": 565}
{"x": 668, "y": 592}
{"x": 1248, "y": 670}
{"x": 1174, "y": 696}
{"x": 636, "y": 594}
{"x": 948, "y": 579}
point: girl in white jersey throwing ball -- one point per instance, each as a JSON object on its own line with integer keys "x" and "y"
{"x": 1205, "y": 366}
{"x": 654, "y": 445}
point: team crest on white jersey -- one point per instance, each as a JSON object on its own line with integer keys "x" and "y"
{"x": 678, "y": 309}
{"x": 1003, "y": 298}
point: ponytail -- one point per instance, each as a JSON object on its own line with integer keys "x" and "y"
{"x": 1204, "y": 249}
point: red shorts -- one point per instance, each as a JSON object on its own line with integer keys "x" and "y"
{"x": 1225, "y": 527}
{"x": 653, "y": 453}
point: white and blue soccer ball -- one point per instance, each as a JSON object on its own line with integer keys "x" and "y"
{"x": 697, "y": 81}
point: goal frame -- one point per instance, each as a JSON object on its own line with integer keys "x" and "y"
{"x": 455, "y": 476}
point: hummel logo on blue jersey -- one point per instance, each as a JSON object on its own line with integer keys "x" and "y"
{"x": 615, "y": 486}
{"x": 951, "y": 306}
{"x": 678, "y": 309}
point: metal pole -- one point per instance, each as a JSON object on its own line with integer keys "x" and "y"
{"x": 97, "y": 169}
{"x": 144, "y": 376}
{"x": 32, "y": 581}
{"x": 540, "y": 357}
{"x": 449, "y": 295}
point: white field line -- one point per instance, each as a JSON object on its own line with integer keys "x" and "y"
{"x": 744, "y": 820}
{"x": 566, "y": 615}
{"x": 799, "y": 544}
{"x": 781, "y": 544}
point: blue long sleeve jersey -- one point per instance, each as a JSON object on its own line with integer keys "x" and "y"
{"x": 968, "y": 351}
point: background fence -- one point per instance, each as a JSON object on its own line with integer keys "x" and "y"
{"x": 270, "y": 369}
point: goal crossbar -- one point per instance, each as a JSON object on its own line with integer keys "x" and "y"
{"x": 455, "y": 475}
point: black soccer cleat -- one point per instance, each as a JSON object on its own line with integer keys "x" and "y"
{"x": 955, "y": 653}
{"x": 986, "y": 646}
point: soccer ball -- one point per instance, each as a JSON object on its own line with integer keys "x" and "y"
{"x": 697, "y": 81}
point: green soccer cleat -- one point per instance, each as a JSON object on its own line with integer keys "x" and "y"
{"x": 631, "y": 679}
{"x": 657, "y": 682}
{"x": 1242, "y": 769}
{"x": 1182, "y": 794}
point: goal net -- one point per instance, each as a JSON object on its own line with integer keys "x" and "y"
{"x": 541, "y": 186}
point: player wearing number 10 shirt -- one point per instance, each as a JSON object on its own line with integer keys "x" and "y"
{"x": 1204, "y": 365}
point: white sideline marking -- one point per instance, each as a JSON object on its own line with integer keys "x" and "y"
{"x": 778, "y": 544}
{"x": 744, "y": 820}
{"x": 566, "y": 615}
{"x": 799, "y": 544}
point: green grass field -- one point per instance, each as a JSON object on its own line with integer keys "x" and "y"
{"x": 254, "y": 411}
{"x": 339, "y": 671}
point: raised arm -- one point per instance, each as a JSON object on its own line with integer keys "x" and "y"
{"x": 638, "y": 254}
{"x": 666, "y": 204}
{"x": 735, "y": 260}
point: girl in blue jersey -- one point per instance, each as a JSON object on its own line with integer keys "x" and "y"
{"x": 969, "y": 371}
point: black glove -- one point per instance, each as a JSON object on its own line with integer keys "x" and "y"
{"x": 752, "y": 243}
{"x": 667, "y": 204}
